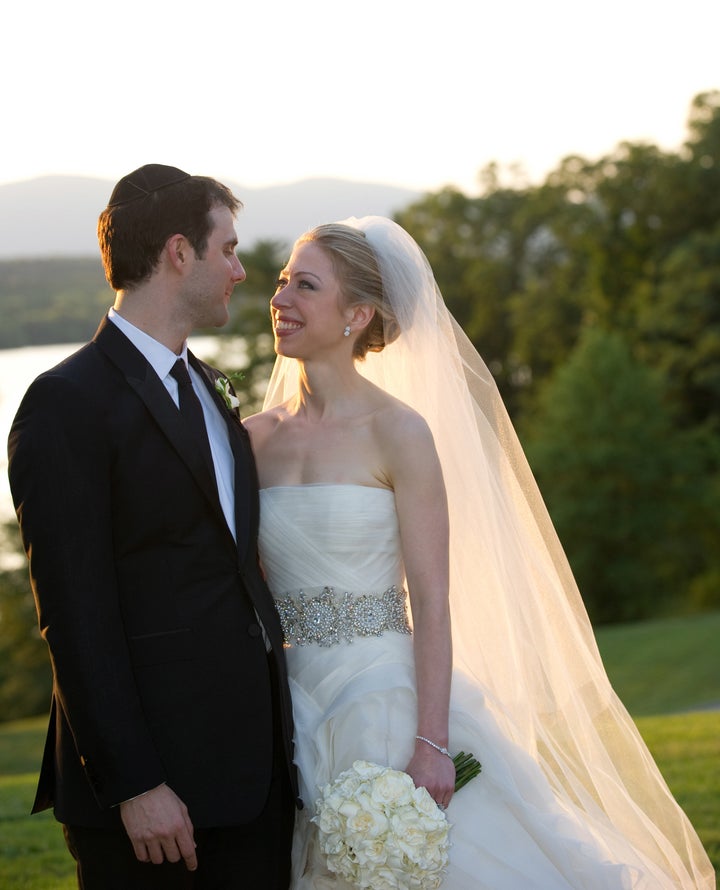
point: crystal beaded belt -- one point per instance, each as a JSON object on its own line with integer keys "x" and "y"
{"x": 328, "y": 618}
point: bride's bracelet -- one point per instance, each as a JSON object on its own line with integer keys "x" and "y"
{"x": 421, "y": 738}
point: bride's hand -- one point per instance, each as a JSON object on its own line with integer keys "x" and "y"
{"x": 435, "y": 771}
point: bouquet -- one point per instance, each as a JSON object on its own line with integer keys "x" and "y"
{"x": 378, "y": 831}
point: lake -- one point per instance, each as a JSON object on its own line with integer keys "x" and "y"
{"x": 19, "y": 367}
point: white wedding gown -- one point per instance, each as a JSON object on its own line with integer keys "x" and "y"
{"x": 355, "y": 699}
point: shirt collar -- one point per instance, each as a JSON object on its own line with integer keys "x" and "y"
{"x": 158, "y": 355}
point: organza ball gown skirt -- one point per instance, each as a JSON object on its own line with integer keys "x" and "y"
{"x": 332, "y": 558}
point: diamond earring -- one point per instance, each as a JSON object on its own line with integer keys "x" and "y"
{"x": 346, "y": 332}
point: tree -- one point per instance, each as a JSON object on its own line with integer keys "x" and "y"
{"x": 701, "y": 154}
{"x": 25, "y": 676}
{"x": 679, "y": 324}
{"x": 492, "y": 256}
{"x": 624, "y": 486}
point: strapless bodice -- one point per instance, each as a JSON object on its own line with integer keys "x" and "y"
{"x": 341, "y": 536}
{"x": 331, "y": 555}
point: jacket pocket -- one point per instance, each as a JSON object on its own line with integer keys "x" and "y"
{"x": 162, "y": 647}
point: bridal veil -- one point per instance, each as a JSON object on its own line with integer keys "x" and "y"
{"x": 520, "y": 629}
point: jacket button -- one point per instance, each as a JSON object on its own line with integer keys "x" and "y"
{"x": 254, "y": 630}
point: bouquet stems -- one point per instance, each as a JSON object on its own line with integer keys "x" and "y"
{"x": 466, "y": 768}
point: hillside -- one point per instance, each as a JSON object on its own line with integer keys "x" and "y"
{"x": 57, "y": 215}
{"x": 52, "y": 286}
{"x": 51, "y": 300}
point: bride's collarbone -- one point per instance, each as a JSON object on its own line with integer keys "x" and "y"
{"x": 340, "y": 414}
{"x": 354, "y": 433}
{"x": 324, "y": 465}
{"x": 341, "y": 452}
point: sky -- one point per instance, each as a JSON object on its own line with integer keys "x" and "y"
{"x": 403, "y": 92}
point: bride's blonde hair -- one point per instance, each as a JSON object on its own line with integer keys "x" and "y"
{"x": 356, "y": 267}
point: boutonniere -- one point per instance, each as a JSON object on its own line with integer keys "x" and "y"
{"x": 222, "y": 386}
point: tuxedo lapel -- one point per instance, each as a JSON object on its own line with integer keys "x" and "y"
{"x": 247, "y": 502}
{"x": 141, "y": 377}
{"x": 246, "y": 497}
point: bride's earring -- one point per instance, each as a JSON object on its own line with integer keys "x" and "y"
{"x": 346, "y": 332}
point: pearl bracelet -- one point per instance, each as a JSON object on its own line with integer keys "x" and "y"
{"x": 421, "y": 738}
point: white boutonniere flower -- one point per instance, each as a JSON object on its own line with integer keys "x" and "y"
{"x": 222, "y": 386}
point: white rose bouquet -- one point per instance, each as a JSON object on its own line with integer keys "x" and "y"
{"x": 379, "y": 831}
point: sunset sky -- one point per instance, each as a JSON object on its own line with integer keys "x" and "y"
{"x": 403, "y": 92}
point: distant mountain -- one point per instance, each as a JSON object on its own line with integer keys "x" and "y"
{"x": 57, "y": 215}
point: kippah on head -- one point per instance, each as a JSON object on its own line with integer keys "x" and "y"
{"x": 144, "y": 181}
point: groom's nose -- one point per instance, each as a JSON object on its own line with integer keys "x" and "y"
{"x": 239, "y": 273}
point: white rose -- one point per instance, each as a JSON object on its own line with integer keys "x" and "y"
{"x": 328, "y": 819}
{"x": 423, "y": 803}
{"x": 341, "y": 865}
{"x": 410, "y": 836}
{"x": 373, "y": 850}
{"x": 385, "y": 879}
{"x": 348, "y": 788}
{"x": 366, "y": 770}
{"x": 367, "y": 823}
{"x": 348, "y": 808}
{"x": 333, "y": 845}
{"x": 438, "y": 841}
{"x": 393, "y": 789}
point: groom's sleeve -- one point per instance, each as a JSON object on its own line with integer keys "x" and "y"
{"x": 60, "y": 467}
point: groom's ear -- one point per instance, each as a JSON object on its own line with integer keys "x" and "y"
{"x": 178, "y": 251}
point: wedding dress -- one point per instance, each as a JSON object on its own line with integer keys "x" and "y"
{"x": 569, "y": 796}
{"x": 332, "y": 558}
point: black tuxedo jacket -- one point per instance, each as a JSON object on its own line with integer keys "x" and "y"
{"x": 147, "y": 603}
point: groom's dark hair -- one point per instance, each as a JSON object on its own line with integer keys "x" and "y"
{"x": 145, "y": 209}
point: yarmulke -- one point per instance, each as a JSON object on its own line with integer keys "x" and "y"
{"x": 144, "y": 181}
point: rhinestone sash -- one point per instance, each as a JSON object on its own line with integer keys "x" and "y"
{"x": 329, "y": 618}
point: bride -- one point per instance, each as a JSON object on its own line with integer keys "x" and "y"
{"x": 426, "y": 601}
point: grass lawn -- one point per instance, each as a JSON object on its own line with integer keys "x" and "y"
{"x": 686, "y": 748}
{"x": 666, "y": 668}
{"x": 34, "y": 855}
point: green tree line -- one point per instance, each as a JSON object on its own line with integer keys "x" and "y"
{"x": 54, "y": 300}
{"x": 594, "y": 297}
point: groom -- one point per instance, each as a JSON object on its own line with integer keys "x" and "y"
{"x": 169, "y": 753}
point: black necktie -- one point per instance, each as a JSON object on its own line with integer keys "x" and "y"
{"x": 192, "y": 412}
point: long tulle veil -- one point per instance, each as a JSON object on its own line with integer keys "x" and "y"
{"x": 520, "y": 628}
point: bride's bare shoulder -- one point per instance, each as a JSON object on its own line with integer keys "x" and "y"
{"x": 398, "y": 420}
{"x": 263, "y": 423}
{"x": 407, "y": 448}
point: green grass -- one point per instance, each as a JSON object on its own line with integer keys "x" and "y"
{"x": 662, "y": 670}
{"x": 686, "y": 749}
{"x": 34, "y": 855}
{"x": 664, "y": 666}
